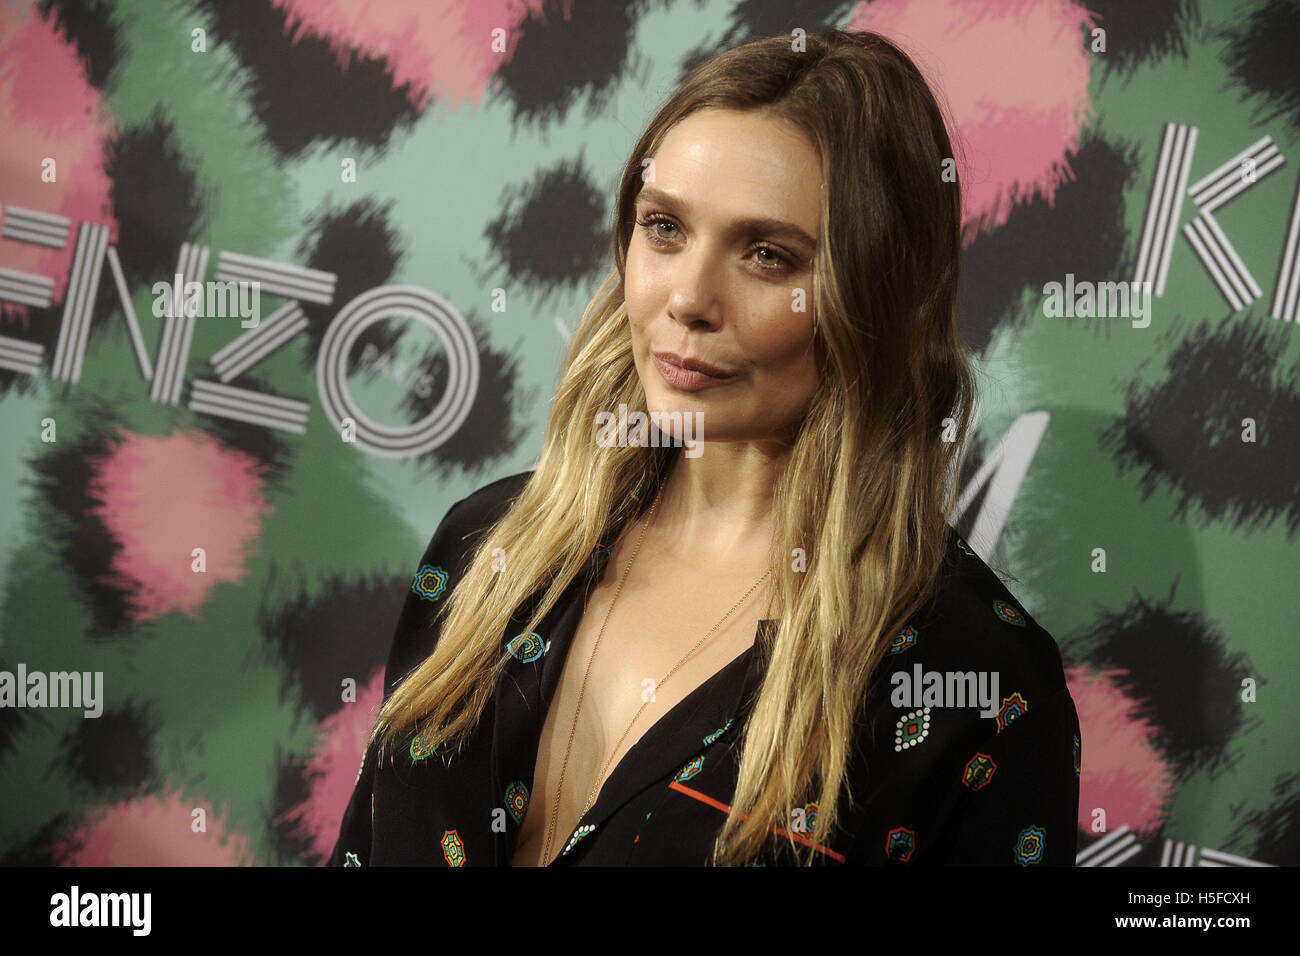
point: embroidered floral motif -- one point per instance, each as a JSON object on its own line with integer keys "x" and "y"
{"x": 517, "y": 799}
{"x": 912, "y": 728}
{"x": 900, "y": 843}
{"x": 424, "y": 743}
{"x": 1012, "y": 709}
{"x": 578, "y": 834}
{"x": 719, "y": 732}
{"x": 691, "y": 769}
{"x": 527, "y": 648}
{"x": 905, "y": 639}
{"x": 430, "y": 582}
{"x": 979, "y": 771}
{"x": 1030, "y": 844}
{"x": 810, "y": 817}
{"x": 1008, "y": 613}
{"x": 351, "y": 859}
{"x": 453, "y": 848}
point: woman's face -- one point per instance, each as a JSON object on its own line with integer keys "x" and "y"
{"x": 719, "y": 270}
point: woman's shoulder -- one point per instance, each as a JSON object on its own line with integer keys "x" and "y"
{"x": 972, "y": 654}
{"x": 445, "y": 560}
{"x": 482, "y": 508}
{"x": 971, "y": 750}
{"x": 452, "y": 541}
{"x": 972, "y": 621}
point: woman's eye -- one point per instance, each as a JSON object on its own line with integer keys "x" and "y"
{"x": 652, "y": 223}
{"x": 775, "y": 261}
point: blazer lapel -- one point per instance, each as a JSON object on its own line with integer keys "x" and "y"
{"x": 526, "y": 687}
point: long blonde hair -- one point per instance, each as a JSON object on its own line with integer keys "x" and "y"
{"x": 870, "y": 477}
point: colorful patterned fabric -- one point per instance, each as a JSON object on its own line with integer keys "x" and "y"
{"x": 900, "y": 844}
{"x": 946, "y": 784}
{"x": 691, "y": 769}
{"x": 979, "y": 771}
{"x": 1030, "y": 845}
{"x": 578, "y": 834}
{"x": 517, "y": 800}
{"x": 912, "y": 728}
{"x": 423, "y": 744}
{"x": 717, "y": 734}
{"x": 1009, "y": 613}
{"x": 905, "y": 639}
{"x": 527, "y": 648}
{"x": 453, "y": 848}
{"x": 1012, "y": 709}
{"x": 430, "y": 582}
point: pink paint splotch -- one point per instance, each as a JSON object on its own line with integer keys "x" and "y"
{"x": 154, "y": 831}
{"x": 48, "y": 109}
{"x": 1124, "y": 772}
{"x": 162, "y": 496}
{"x": 431, "y": 46}
{"x": 332, "y": 769}
{"x": 1014, "y": 76}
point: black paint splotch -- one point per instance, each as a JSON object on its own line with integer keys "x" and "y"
{"x": 296, "y": 87}
{"x": 290, "y": 843}
{"x": 1261, "y": 56}
{"x": 343, "y": 630}
{"x": 1176, "y": 666}
{"x": 62, "y": 478}
{"x": 156, "y": 200}
{"x": 491, "y": 430}
{"x": 11, "y": 720}
{"x": 1138, "y": 34}
{"x": 41, "y": 328}
{"x": 363, "y": 249}
{"x": 1185, "y": 431}
{"x": 88, "y": 25}
{"x": 570, "y": 49}
{"x": 1271, "y": 834}
{"x": 552, "y": 231}
{"x": 1081, "y": 232}
{"x": 113, "y": 753}
{"x": 52, "y": 845}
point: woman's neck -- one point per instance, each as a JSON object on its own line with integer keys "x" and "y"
{"x": 718, "y": 507}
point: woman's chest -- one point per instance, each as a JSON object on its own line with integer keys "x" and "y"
{"x": 623, "y": 672}
{"x": 618, "y": 683}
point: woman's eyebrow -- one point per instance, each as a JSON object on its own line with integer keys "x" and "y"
{"x": 761, "y": 224}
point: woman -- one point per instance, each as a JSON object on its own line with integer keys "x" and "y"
{"x": 760, "y": 642}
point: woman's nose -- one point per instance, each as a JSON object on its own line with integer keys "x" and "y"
{"x": 696, "y": 282}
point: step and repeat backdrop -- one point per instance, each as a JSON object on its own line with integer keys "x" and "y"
{"x": 214, "y": 503}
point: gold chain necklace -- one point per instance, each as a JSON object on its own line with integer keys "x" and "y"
{"x": 591, "y": 797}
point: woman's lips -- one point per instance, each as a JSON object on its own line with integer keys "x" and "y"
{"x": 686, "y": 379}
